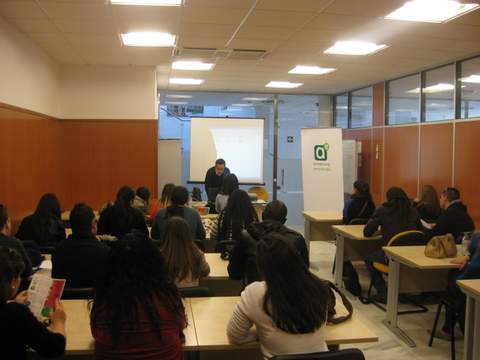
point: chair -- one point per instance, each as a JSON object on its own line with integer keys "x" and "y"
{"x": 196, "y": 194}
{"x": 195, "y": 291}
{"x": 77, "y": 293}
{"x": 223, "y": 246}
{"x": 445, "y": 301}
{"x": 261, "y": 192}
{"x": 406, "y": 238}
{"x": 347, "y": 354}
{"x": 46, "y": 249}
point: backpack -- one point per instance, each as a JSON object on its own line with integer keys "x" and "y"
{"x": 350, "y": 279}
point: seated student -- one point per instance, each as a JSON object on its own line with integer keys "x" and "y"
{"x": 19, "y": 327}
{"x": 178, "y": 207}
{"x": 80, "y": 258}
{"x": 164, "y": 200}
{"x": 121, "y": 218}
{"x": 184, "y": 260}
{"x": 137, "y": 312}
{"x": 243, "y": 259}
{"x": 229, "y": 184}
{"x": 469, "y": 269}
{"x": 360, "y": 205}
{"x": 236, "y": 217}
{"x": 9, "y": 241}
{"x": 393, "y": 217}
{"x": 428, "y": 206}
{"x": 288, "y": 308}
{"x": 142, "y": 201}
{"x": 454, "y": 219}
{"x": 45, "y": 225}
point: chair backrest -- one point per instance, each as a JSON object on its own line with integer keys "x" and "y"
{"x": 261, "y": 192}
{"x": 196, "y": 194}
{"x": 200, "y": 244}
{"x": 408, "y": 238}
{"x": 223, "y": 245}
{"x": 347, "y": 354}
{"x": 195, "y": 291}
{"x": 358, "y": 221}
{"x": 77, "y": 293}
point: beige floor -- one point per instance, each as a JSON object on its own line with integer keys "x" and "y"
{"x": 389, "y": 346}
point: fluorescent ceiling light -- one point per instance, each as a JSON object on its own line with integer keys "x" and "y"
{"x": 178, "y": 96}
{"x": 192, "y": 65}
{"x": 474, "y": 79}
{"x": 241, "y": 105}
{"x": 310, "y": 70}
{"x": 354, "y": 48}
{"x": 185, "y": 81}
{"x": 436, "y": 11}
{"x": 148, "y": 2}
{"x": 255, "y": 99}
{"x": 176, "y": 102}
{"x": 147, "y": 38}
{"x": 283, "y": 84}
{"x": 433, "y": 89}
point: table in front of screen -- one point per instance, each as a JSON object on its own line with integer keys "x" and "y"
{"x": 410, "y": 271}
{"x": 352, "y": 245}
{"x": 318, "y": 225}
{"x": 471, "y": 344}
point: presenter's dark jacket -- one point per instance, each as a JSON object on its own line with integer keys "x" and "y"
{"x": 13, "y": 243}
{"x": 111, "y": 223}
{"x": 454, "y": 220}
{"x": 212, "y": 180}
{"x": 358, "y": 207}
{"x": 243, "y": 259}
{"x": 79, "y": 260}
{"x": 390, "y": 224}
{"x": 44, "y": 231}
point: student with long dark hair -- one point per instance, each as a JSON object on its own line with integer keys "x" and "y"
{"x": 142, "y": 200}
{"x": 360, "y": 205}
{"x": 179, "y": 208}
{"x": 237, "y": 216}
{"x": 164, "y": 201}
{"x": 428, "y": 206}
{"x": 19, "y": 327}
{"x": 121, "y": 218}
{"x": 45, "y": 225}
{"x": 288, "y": 308}
{"x": 137, "y": 312}
{"x": 229, "y": 185}
{"x": 184, "y": 260}
{"x": 393, "y": 217}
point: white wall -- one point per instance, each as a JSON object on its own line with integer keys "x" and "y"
{"x": 108, "y": 92}
{"x": 29, "y": 77}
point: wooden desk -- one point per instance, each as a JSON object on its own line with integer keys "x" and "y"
{"x": 411, "y": 271}
{"x": 353, "y": 246}
{"x": 471, "y": 345}
{"x": 318, "y": 225}
{"x": 218, "y": 267}
{"x": 211, "y": 316}
{"x": 218, "y": 281}
{"x": 79, "y": 336}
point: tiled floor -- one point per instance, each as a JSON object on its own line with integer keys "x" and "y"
{"x": 389, "y": 346}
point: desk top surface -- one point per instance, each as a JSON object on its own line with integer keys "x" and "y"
{"x": 323, "y": 216}
{"x": 470, "y": 287}
{"x": 211, "y": 316}
{"x": 353, "y": 232}
{"x": 218, "y": 267}
{"x": 414, "y": 256}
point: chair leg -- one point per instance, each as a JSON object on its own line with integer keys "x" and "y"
{"x": 452, "y": 333}
{"x": 333, "y": 267}
{"x": 435, "y": 323}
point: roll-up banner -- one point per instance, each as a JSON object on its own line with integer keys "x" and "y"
{"x": 322, "y": 169}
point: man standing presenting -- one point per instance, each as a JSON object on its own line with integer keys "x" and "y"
{"x": 215, "y": 175}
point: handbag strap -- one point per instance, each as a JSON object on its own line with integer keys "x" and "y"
{"x": 363, "y": 209}
{"x": 346, "y": 303}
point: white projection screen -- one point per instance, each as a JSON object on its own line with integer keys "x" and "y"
{"x": 239, "y": 141}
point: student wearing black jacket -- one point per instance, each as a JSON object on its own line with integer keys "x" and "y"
{"x": 243, "y": 259}
{"x": 9, "y": 241}
{"x": 454, "y": 219}
{"x": 45, "y": 225}
{"x": 360, "y": 205}
{"x": 214, "y": 176}
{"x": 121, "y": 218}
{"x": 428, "y": 206}
{"x": 18, "y": 326}
{"x": 81, "y": 257}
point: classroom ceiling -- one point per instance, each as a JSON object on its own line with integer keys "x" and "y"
{"x": 293, "y": 32}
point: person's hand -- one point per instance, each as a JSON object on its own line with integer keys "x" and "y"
{"x": 58, "y": 315}
{"x": 22, "y": 298}
{"x": 461, "y": 261}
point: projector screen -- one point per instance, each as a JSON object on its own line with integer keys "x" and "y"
{"x": 238, "y": 141}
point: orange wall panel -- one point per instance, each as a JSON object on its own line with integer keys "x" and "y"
{"x": 378, "y": 104}
{"x": 365, "y": 136}
{"x": 376, "y": 184}
{"x": 467, "y": 166}
{"x": 401, "y": 158}
{"x": 436, "y": 155}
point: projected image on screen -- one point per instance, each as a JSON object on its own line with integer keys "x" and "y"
{"x": 238, "y": 141}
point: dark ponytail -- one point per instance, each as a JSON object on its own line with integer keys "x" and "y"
{"x": 178, "y": 200}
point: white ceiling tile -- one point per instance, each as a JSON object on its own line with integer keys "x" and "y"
{"x": 208, "y": 30}
{"x": 278, "y": 18}
{"x": 21, "y": 9}
{"x": 57, "y": 47}
{"x": 34, "y": 25}
{"x": 150, "y": 56}
{"x": 206, "y": 15}
{"x": 265, "y": 32}
{"x": 202, "y": 41}
{"x": 226, "y": 4}
{"x": 370, "y": 8}
{"x": 75, "y": 10}
{"x": 289, "y": 5}
{"x": 105, "y": 26}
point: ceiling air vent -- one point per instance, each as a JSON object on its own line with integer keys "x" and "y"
{"x": 247, "y": 54}
{"x": 212, "y": 53}
{"x": 195, "y": 53}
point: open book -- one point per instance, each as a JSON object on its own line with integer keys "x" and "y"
{"x": 43, "y": 294}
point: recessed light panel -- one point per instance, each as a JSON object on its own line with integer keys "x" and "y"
{"x": 354, "y": 48}
{"x": 148, "y": 2}
{"x": 191, "y": 65}
{"x": 310, "y": 70}
{"x": 148, "y": 38}
{"x": 283, "y": 84}
{"x": 185, "y": 81}
{"x": 178, "y": 96}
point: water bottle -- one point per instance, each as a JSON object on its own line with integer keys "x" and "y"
{"x": 466, "y": 239}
